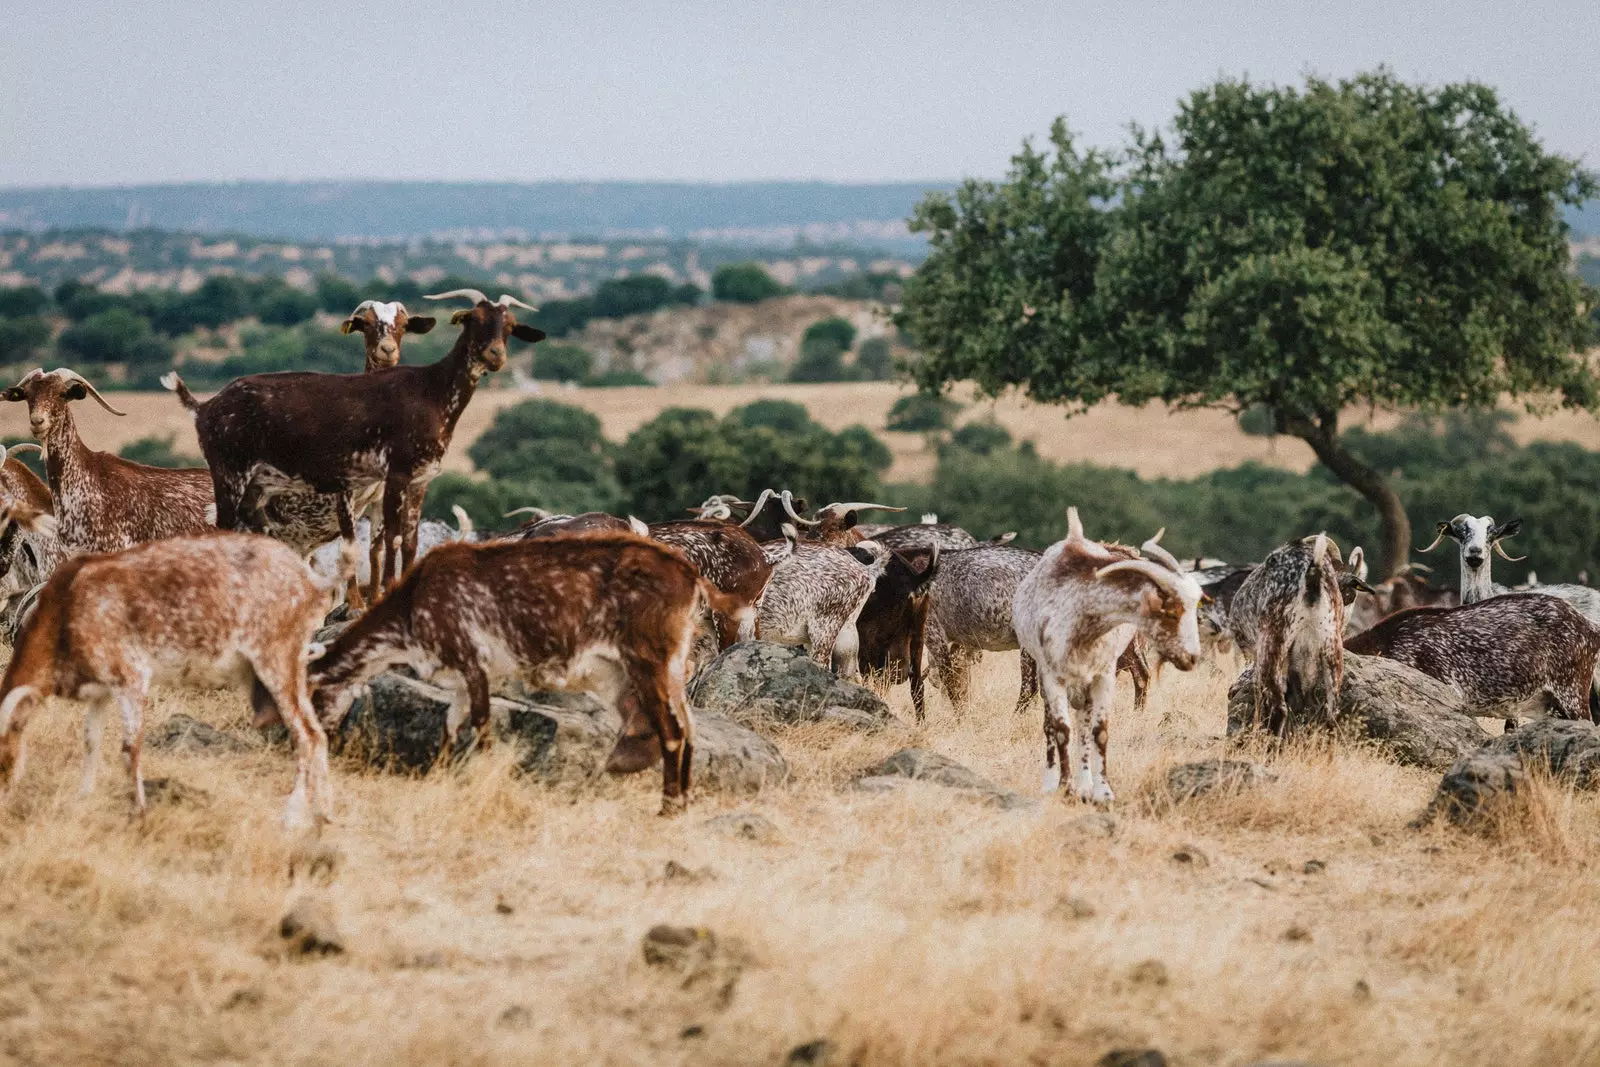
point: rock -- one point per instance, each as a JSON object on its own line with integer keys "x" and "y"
{"x": 1419, "y": 721}
{"x": 1313, "y": 867}
{"x": 747, "y": 825}
{"x": 818, "y": 1053}
{"x": 173, "y": 792}
{"x": 1190, "y": 780}
{"x": 1096, "y": 824}
{"x": 1297, "y": 933}
{"x": 675, "y": 873}
{"x": 920, "y": 765}
{"x": 697, "y": 954}
{"x": 184, "y": 733}
{"x": 1132, "y": 1057}
{"x": 1071, "y": 908}
{"x": 1569, "y": 750}
{"x": 758, "y": 682}
{"x": 309, "y": 929}
{"x": 1191, "y": 856}
{"x": 1149, "y": 972}
{"x": 399, "y": 724}
{"x": 1474, "y": 785}
{"x": 315, "y": 861}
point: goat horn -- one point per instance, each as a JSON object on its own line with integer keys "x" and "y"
{"x": 1508, "y": 559}
{"x": 24, "y": 446}
{"x": 1444, "y": 527}
{"x": 1319, "y": 549}
{"x": 1152, "y": 549}
{"x": 537, "y": 513}
{"x": 788, "y": 505}
{"x": 463, "y": 520}
{"x": 861, "y": 505}
{"x": 364, "y": 305}
{"x": 74, "y": 376}
{"x": 1153, "y": 571}
{"x": 471, "y": 294}
{"x": 508, "y": 301}
{"x": 1074, "y": 525}
{"x": 755, "y": 509}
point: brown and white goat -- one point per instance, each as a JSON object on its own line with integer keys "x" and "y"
{"x": 383, "y": 327}
{"x": 1075, "y": 614}
{"x": 610, "y": 612}
{"x": 737, "y": 564}
{"x": 102, "y": 501}
{"x": 208, "y": 608}
{"x": 29, "y": 550}
{"x": 815, "y": 597}
{"x": 361, "y": 437}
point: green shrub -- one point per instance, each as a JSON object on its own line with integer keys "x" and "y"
{"x": 982, "y": 436}
{"x": 922, "y": 413}
{"x": 113, "y": 336}
{"x": 286, "y": 307}
{"x": 839, "y": 331}
{"x": 158, "y": 452}
{"x": 875, "y": 360}
{"x": 555, "y": 450}
{"x": 561, "y": 363}
{"x": 22, "y": 337}
{"x": 744, "y": 283}
{"x": 19, "y": 301}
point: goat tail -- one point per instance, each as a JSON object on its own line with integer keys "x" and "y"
{"x": 171, "y": 381}
{"x": 464, "y": 527}
{"x": 1319, "y": 552}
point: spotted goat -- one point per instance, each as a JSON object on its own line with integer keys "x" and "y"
{"x": 29, "y": 549}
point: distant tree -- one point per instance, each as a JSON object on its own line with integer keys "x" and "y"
{"x": 744, "y": 283}
{"x": 336, "y": 295}
{"x": 79, "y": 300}
{"x": 22, "y": 337}
{"x": 115, "y": 336}
{"x": 221, "y": 299}
{"x": 784, "y": 416}
{"x": 820, "y": 360}
{"x": 687, "y": 294}
{"x": 411, "y": 293}
{"x": 875, "y": 360}
{"x": 922, "y": 413}
{"x": 617, "y": 377}
{"x": 556, "y": 449}
{"x": 559, "y": 318}
{"x": 561, "y": 363}
{"x": 834, "y": 330}
{"x": 286, "y": 307}
{"x": 158, "y": 452}
{"x": 23, "y": 300}
{"x": 633, "y": 294}
{"x": 982, "y": 436}
{"x": 1357, "y": 243}
{"x": 1257, "y": 421}
{"x": 484, "y": 500}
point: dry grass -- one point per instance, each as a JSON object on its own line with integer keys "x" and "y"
{"x": 1151, "y": 441}
{"x": 491, "y": 920}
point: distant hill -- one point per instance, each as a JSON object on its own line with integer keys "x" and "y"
{"x": 742, "y": 213}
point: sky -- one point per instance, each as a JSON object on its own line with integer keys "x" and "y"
{"x": 99, "y": 93}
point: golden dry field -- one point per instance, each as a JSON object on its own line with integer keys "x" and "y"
{"x": 1149, "y": 440}
{"x": 488, "y": 920}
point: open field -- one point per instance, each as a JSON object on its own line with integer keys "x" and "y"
{"x": 1150, "y": 440}
{"x": 489, "y": 920}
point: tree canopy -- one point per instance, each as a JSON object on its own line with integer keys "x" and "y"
{"x": 1365, "y": 242}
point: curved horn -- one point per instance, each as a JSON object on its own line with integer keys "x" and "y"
{"x": 1153, "y": 571}
{"x": 1074, "y": 525}
{"x": 537, "y": 513}
{"x": 22, "y": 446}
{"x": 471, "y": 294}
{"x": 788, "y": 505}
{"x": 861, "y": 505}
{"x": 1152, "y": 549}
{"x": 508, "y": 301}
{"x": 364, "y": 305}
{"x": 1508, "y": 559}
{"x": 463, "y": 521}
{"x": 1319, "y": 549}
{"x": 1444, "y": 528}
{"x": 73, "y": 376}
{"x": 755, "y": 509}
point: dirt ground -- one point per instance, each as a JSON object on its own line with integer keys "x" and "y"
{"x": 490, "y": 920}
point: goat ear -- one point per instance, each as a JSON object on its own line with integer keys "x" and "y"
{"x": 420, "y": 323}
{"x": 15, "y": 393}
{"x": 76, "y": 391}
{"x": 523, "y": 332}
{"x": 1509, "y": 528}
{"x": 850, "y": 519}
{"x": 349, "y": 325}
{"x": 458, "y": 317}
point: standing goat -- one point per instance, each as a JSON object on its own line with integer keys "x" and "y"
{"x": 360, "y": 437}
{"x": 215, "y": 607}
{"x": 815, "y": 597}
{"x": 1075, "y": 614}
{"x": 893, "y": 625}
{"x": 104, "y": 502}
{"x": 611, "y": 612}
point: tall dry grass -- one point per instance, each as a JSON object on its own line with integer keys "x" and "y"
{"x": 490, "y": 920}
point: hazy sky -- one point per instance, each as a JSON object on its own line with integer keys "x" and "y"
{"x": 95, "y": 93}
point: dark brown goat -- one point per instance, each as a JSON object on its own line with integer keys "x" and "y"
{"x": 893, "y": 626}
{"x": 357, "y": 436}
{"x": 104, "y": 502}
{"x": 1524, "y": 654}
{"x": 733, "y": 561}
{"x": 612, "y": 612}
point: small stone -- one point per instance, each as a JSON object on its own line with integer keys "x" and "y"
{"x": 1132, "y": 1057}
{"x": 676, "y": 873}
{"x": 745, "y": 825}
{"x": 818, "y": 1053}
{"x": 173, "y": 792}
{"x": 1071, "y": 908}
{"x": 515, "y": 1017}
{"x": 1149, "y": 972}
{"x": 1362, "y": 990}
{"x": 185, "y": 733}
{"x": 309, "y": 929}
{"x": 502, "y": 906}
{"x": 1297, "y": 933}
{"x": 315, "y": 861}
{"x": 1190, "y": 780}
{"x": 1314, "y": 867}
{"x": 1191, "y": 856}
{"x": 248, "y": 997}
{"x": 691, "y": 1032}
{"x": 678, "y": 947}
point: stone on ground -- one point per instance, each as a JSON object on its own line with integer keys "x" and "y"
{"x": 758, "y": 682}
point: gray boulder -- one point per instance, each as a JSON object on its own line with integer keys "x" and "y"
{"x": 1475, "y": 786}
{"x": 920, "y": 765}
{"x": 399, "y": 722}
{"x": 184, "y": 733}
{"x": 755, "y": 682}
{"x": 1568, "y": 749}
{"x": 1189, "y": 780}
{"x": 1417, "y": 720}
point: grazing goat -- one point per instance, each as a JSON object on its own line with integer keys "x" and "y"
{"x": 545, "y": 524}
{"x": 207, "y": 608}
{"x": 29, "y": 550}
{"x": 357, "y": 436}
{"x": 104, "y": 502}
{"x": 1075, "y": 614}
{"x": 893, "y": 624}
{"x": 612, "y": 612}
{"x": 815, "y": 597}
{"x": 736, "y": 563}
{"x": 1288, "y": 618}
{"x": 1524, "y": 654}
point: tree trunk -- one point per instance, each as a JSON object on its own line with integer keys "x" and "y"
{"x": 1322, "y": 434}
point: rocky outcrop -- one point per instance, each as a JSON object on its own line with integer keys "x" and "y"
{"x": 758, "y": 682}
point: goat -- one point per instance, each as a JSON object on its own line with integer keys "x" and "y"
{"x": 430, "y": 535}
{"x": 735, "y": 563}
{"x": 764, "y": 517}
{"x": 1480, "y": 536}
{"x": 835, "y": 523}
{"x": 356, "y": 436}
{"x": 198, "y": 607}
{"x": 1508, "y": 655}
{"x": 608, "y": 611}
{"x": 815, "y": 597}
{"x": 29, "y": 550}
{"x": 1075, "y": 614}
{"x": 104, "y": 502}
{"x": 893, "y": 625}
{"x": 1288, "y": 618}
{"x": 383, "y": 327}
{"x": 1408, "y": 589}
{"x": 545, "y": 524}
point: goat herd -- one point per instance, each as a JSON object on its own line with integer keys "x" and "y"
{"x": 119, "y": 575}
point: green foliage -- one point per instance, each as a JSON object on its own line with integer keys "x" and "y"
{"x": 113, "y": 336}
{"x": 684, "y": 455}
{"x": 558, "y": 318}
{"x": 286, "y": 307}
{"x": 617, "y": 377}
{"x": 485, "y": 500}
{"x": 554, "y": 450}
{"x": 158, "y": 452}
{"x": 820, "y": 360}
{"x": 784, "y": 416}
{"x": 875, "y": 360}
{"x": 20, "y": 301}
{"x": 744, "y": 283}
{"x": 22, "y": 337}
{"x": 833, "y": 330}
{"x": 630, "y": 295}
{"x": 1257, "y": 421}
{"x": 922, "y": 413}
{"x": 870, "y": 285}
{"x": 336, "y": 295}
{"x": 561, "y": 363}
{"x": 982, "y": 436}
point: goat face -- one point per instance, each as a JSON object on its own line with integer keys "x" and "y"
{"x": 1477, "y": 538}
{"x": 47, "y": 396}
{"x": 1170, "y": 620}
{"x": 383, "y": 327}
{"x": 486, "y": 328}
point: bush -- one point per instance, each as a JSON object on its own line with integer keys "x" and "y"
{"x": 982, "y": 436}
{"x": 286, "y": 307}
{"x": 80, "y": 300}
{"x": 484, "y": 500}
{"x": 1257, "y": 421}
{"x": 617, "y": 377}
{"x": 784, "y": 416}
{"x": 22, "y": 300}
{"x": 922, "y": 413}
{"x": 634, "y": 294}
{"x": 336, "y": 295}
{"x": 875, "y": 360}
{"x": 114, "y": 336}
{"x": 820, "y": 360}
{"x": 158, "y": 452}
{"x": 744, "y": 283}
{"x": 555, "y": 450}
{"x": 561, "y": 363}
{"x": 558, "y": 318}
{"x": 21, "y": 337}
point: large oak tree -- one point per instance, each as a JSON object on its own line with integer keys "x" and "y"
{"x": 1365, "y": 242}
